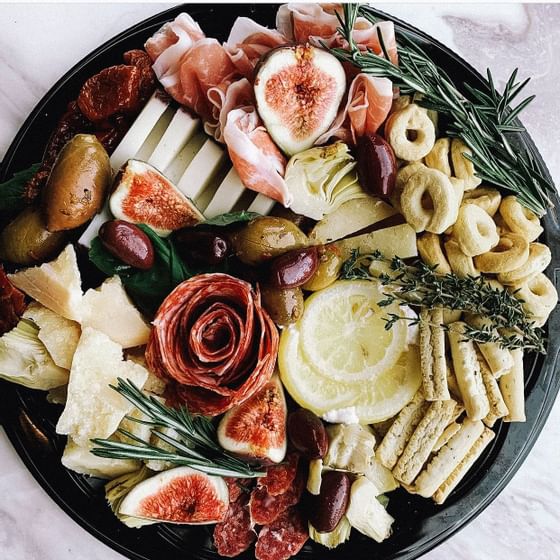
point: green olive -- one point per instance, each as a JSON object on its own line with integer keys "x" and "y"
{"x": 330, "y": 263}
{"x": 266, "y": 237}
{"x": 27, "y": 241}
{"x": 285, "y": 306}
{"x": 78, "y": 183}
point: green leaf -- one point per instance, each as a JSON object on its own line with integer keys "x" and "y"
{"x": 12, "y": 191}
{"x": 230, "y": 218}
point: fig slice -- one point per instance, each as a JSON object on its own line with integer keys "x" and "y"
{"x": 256, "y": 429}
{"x": 180, "y": 495}
{"x": 143, "y": 195}
{"x": 298, "y": 90}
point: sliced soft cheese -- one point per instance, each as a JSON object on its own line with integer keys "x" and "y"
{"x": 56, "y": 284}
{"x": 262, "y": 204}
{"x": 93, "y": 409}
{"x": 80, "y": 459}
{"x": 226, "y": 197}
{"x": 109, "y": 310}
{"x": 59, "y": 335}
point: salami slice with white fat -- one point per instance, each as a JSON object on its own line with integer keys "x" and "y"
{"x": 235, "y": 534}
{"x": 284, "y": 538}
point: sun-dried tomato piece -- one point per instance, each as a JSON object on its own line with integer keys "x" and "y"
{"x": 12, "y": 303}
{"x": 143, "y": 62}
{"x": 113, "y": 90}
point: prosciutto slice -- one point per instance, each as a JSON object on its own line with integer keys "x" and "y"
{"x": 256, "y": 158}
{"x": 369, "y": 102}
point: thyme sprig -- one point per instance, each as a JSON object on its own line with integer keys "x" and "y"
{"x": 418, "y": 284}
{"x": 485, "y": 120}
{"x": 195, "y": 444}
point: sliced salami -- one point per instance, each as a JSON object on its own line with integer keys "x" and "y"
{"x": 237, "y": 487}
{"x": 279, "y": 478}
{"x": 284, "y": 538}
{"x": 235, "y": 534}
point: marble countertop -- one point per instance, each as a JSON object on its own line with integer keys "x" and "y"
{"x": 39, "y": 42}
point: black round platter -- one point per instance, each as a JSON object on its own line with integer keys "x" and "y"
{"x": 420, "y": 525}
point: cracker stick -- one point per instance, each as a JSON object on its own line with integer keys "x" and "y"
{"x": 467, "y": 371}
{"x": 499, "y": 359}
{"x": 498, "y": 408}
{"x": 432, "y": 355}
{"x": 456, "y": 476}
{"x": 453, "y": 385}
{"x": 449, "y": 457}
{"x": 513, "y": 389}
{"x": 447, "y": 434}
{"x": 426, "y": 355}
{"x": 423, "y": 440}
{"x": 397, "y": 436}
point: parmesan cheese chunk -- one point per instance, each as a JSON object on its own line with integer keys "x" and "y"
{"x": 109, "y": 310}
{"x": 93, "y": 409}
{"x": 56, "y": 284}
{"x": 59, "y": 335}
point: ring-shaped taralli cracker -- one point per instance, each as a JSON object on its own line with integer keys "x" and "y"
{"x": 429, "y": 248}
{"x": 510, "y": 253}
{"x": 538, "y": 294}
{"x": 463, "y": 167}
{"x": 539, "y": 258}
{"x": 410, "y": 120}
{"x": 460, "y": 264}
{"x": 520, "y": 219}
{"x": 403, "y": 175}
{"x": 488, "y": 199}
{"x": 438, "y": 158}
{"x": 475, "y": 231}
{"x": 435, "y": 214}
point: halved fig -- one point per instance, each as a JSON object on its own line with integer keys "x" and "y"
{"x": 256, "y": 429}
{"x": 298, "y": 90}
{"x": 180, "y": 495}
{"x": 143, "y": 195}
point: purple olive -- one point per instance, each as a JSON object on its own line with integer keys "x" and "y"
{"x": 377, "y": 165}
{"x": 307, "y": 434}
{"x": 292, "y": 269}
{"x": 127, "y": 242}
{"x": 202, "y": 246}
{"x": 326, "y": 509}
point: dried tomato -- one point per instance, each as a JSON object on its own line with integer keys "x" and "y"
{"x": 143, "y": 62}
{"x": 12, "y": 304}
{"x": 113, "y": 90}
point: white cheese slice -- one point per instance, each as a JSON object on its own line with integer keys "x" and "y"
{"x": 262, "y": 204}
{"x": 93, "y": 409}
{"x": 56, "y": 284}
{"x": 226, "y": 197}
{"x": 92, "y": 230}
{"x": 149, "y": 145}
{"x": 59, "y": 335}
{"x": 139, "y": 131}
{"x": 109, "y": 310}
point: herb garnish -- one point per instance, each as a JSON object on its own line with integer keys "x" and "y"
{"x": 194, "y": 446}
{"x": 485, "y": 121}
{"x": 230, "y": 218}
{"x": 419, "y": 285}
{"x": 12, "y": 191}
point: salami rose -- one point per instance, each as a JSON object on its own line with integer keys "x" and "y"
{"x": 213, "y": 342}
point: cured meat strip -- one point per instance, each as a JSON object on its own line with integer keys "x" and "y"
{"x": 279, "y": 478}
{"x": 237, "y": 487}
{"x": 284, "y": 538}
{"x": 12, "y": 303}
{"x": 235, "y": 534}
{"x": 214, "y": 342}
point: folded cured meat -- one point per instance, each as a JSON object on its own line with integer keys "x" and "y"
{"x": 256, "y": 158}
{"x": 213, "y": 342}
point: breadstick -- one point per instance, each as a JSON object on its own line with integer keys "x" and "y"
{"x": 498, "y": 408}
{"x": 467, "y": 371}
{"x": 457, "y": 475}
{"x": 447, "y": 434}
{"x": 432, "y": 355}
{"x": 513, "y": 389}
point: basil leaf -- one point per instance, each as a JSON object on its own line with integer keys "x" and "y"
{"x": 230, "y": 218}
{"x": 12, "y": 191}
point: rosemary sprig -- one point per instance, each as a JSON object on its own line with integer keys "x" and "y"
{"x": 194, "y": 446}
{"x": 419, "y": 285}
{"x": 485, "y": 120}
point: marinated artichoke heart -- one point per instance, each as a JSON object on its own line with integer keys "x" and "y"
{"x": 24, "y": 359}
{"x": 321, "y": 179}
{"x": 339, "y": 535}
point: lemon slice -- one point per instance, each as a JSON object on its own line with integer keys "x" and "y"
{"x": 343, "y": 333}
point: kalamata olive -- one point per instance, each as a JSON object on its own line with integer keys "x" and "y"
{"x": 328, "y": 268}
{"x": 77, "y": 185}
{"x": 377, "y": 165}
{"x": 266, "y": 237}
{"x": 327, "y": 509}
{"x": 283, "y": 306}
{"x": 202, "y": 246}
{"x": 26, "y": 240}
{"x": 307, "y": 434}
{"x": 293, "y": 268}
{"x": 128, "y": 243}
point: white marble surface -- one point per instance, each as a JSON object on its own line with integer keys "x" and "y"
{"x": 39, "y": 42}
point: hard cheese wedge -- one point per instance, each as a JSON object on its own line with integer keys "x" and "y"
{"x": 56, "y": 284}
{"x": 93, "y": 409}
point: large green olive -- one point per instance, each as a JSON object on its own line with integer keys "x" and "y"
{"x": 78, "y": 183}
{"x": 26, "y": 239}
{"x": 285, "y": 306}
{"x": 266, "y": 237}
{"x": 330, "y": 263}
